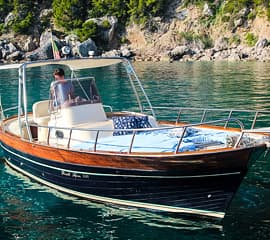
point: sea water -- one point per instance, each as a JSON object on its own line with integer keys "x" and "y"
{"x": 29, "y": 210}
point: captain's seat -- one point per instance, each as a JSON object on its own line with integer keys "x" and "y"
{"x": 41, "y": 116}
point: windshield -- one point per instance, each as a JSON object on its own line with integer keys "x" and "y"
{"x": 73, "y": 92}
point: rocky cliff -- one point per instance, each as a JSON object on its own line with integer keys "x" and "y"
{"x": 205, "y": 30}
{"x": 194, "y": 33}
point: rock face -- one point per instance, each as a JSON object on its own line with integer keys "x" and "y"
{"x": 261, "y": 44}
{"x": 86, "y": 46}
{"x": 9, "y": 52}
{"x": 45, "y": 50}
{"x": 179, "y": 52}
{"x": 15, "y": 56}
{"x": 45, "y": 15}
{"x": 9, "y": 19}
{"x": 207, "y": 10}
{"x": 221, "y": 44}
{"x": 30, "y": 45}
{"x": 107, "y": 26}
{"x": 125, "y": 52}
{"x": 45, "y": 38}
{"x": 182, "y": 15}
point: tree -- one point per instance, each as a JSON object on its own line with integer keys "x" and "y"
{"x": 70, "y": 14}
{"x": 145, "y": 8}
{"x": 88, "y": 30}
{"x": 116, "y": 8}
{"x": 24, "y": 15}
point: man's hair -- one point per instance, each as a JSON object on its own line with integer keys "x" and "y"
{"x": 59, "y": 72}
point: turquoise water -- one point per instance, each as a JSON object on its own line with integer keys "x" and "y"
{"x": 29, "y": 210}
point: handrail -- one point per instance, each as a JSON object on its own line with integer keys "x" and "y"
{"x": 10, "y": 108}
{"x": 132, "y": 141}
{"x": 144, "y": 129}
{"x": 2, "y": 111}
{"x": 209, "y": 110}
{"x": 135, "y": 131}
{"x": 95, "y": 145}
{"x": 180, "y": 140}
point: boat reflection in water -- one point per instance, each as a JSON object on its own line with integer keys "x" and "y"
{"x": 128, "y": 159}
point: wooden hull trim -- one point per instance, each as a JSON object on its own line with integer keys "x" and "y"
{"x": 120, "y": 154}
{"x": 120, "y": 175}
{"x": 126, "y": 203}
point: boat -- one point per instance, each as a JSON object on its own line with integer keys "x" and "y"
{"x": 77, "y": 145}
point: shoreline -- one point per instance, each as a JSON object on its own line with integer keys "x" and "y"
{"x": 12, "y": 52}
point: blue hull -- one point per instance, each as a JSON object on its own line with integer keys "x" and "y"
{"x": 207, "y": 195}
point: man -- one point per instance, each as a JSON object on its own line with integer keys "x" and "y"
{"x": 62, "y": 91}
{"x": 59, "y": 74}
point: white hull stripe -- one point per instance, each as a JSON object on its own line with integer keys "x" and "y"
{"x": 123, "y": 202}
{"x": 119, "y": 175}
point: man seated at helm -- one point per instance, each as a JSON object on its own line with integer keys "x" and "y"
{"x": 62, "y": 90}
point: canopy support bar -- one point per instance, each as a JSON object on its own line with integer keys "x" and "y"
{"x": 25, "y": 105}
{"x": 131, "y": 72}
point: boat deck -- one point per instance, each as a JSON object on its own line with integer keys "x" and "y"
{"x": 167, "y": 138}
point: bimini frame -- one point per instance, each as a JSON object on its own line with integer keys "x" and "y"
{"x": 73, "y": 64}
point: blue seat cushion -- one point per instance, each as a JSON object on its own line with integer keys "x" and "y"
{"x": 129, "y": 122}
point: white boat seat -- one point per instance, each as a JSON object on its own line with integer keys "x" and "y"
{"x": 41, "y": 116}
{"x": 41, "y": 112}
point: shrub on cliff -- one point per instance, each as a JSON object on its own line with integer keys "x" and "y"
{"x": 190, "y": 37}
{"x": 125, "y": 10}
{"x": 100, "y": 8}
{"x": 24, "y": 16}
{"x": 88, "y": 30}
{"x": 251, "y": 39}
{"x": 141, "y": 10}
{"x": 70, "y": 14}
{"x": 22, "y": 26}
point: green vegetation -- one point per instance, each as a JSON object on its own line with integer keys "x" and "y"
{"x": 1, "y": 28}
{"x": 100, "y": 8}
{"x": 268, "y": 13}
{"x": 73, "y": 14}
{"x": 88, "y": 30}
{"x": 24, "y": 16}
{"x": 251, "y": 39}
{"x": 141, "y": 10}
{"x": 23, "y": 25}
{"x": 251, "y": 15}
{"x": 106, "y": 24}
{"x": 235, "y": 39}
{"x": 186, "y": 36}
{"x": 230, "y": 10}
{"x": 70, "y": 15}
{"x": 189, "y": 37}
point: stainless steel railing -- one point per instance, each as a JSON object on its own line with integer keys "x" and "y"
{"x": 203, "y": 112}
{"x": 136, "y": 131}
{"x": 3, "y": 111}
